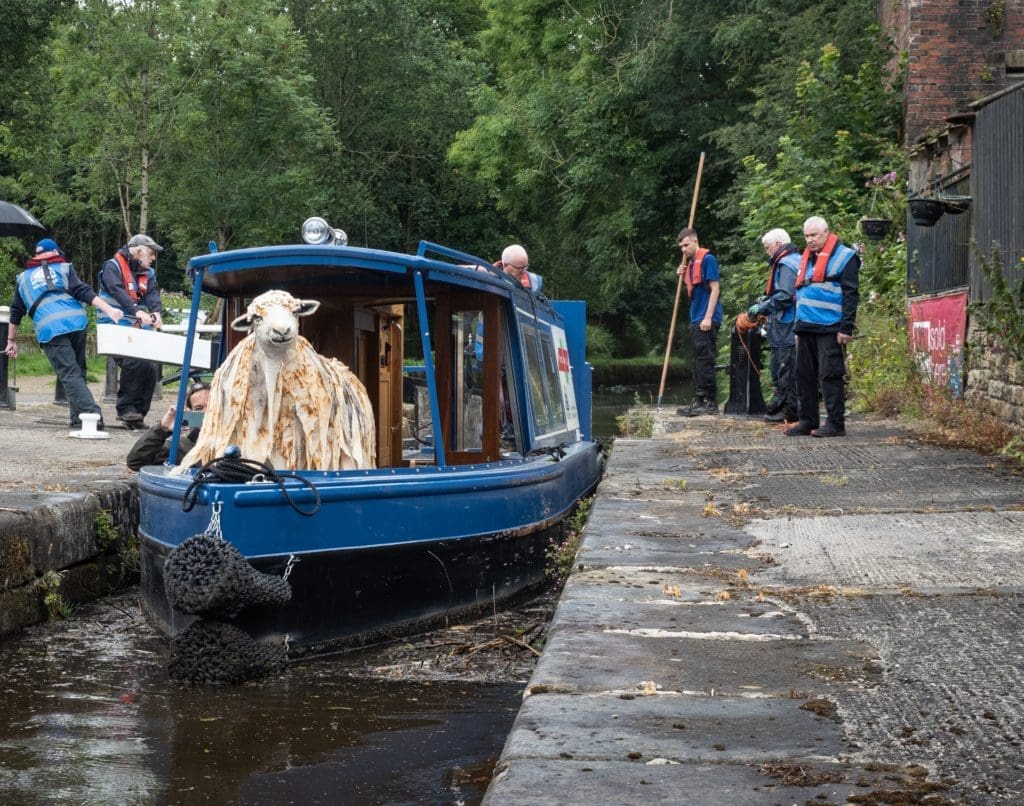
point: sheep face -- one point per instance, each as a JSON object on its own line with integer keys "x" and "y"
{"x": 274, "y": 317}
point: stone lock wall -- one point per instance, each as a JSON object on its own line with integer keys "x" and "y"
{"x": 995, "y": 381}
{"x": 87, "y": 538}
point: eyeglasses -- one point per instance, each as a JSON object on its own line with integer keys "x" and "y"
{"x": 517, "y": 268}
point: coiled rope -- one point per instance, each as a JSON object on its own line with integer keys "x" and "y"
{"x": 744, "y": 324}
{"x": 236, "y": 470}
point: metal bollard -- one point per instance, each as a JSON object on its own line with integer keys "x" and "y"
{"x": 110, "y": 382}
{"x": 7, "y": 393}
{"x": 745, "y": 374}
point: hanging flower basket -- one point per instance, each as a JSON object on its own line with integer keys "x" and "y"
{"x": 875, "y": 229}
{"x": 926, "y": 212}
{"x": 954, "y": 205}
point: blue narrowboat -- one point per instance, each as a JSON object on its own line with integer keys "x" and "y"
{"x": 481, "y": 397}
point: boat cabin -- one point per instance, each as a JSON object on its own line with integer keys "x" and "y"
{"x": 462, "y": 365}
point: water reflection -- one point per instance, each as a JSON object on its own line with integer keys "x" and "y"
{"x": 611, "y": 401}
{"x": 88, "y": 716}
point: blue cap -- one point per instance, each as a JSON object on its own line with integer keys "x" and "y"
{"x": 47, "y": 245}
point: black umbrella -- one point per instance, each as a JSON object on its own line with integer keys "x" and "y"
{"x": 16, "y": 221}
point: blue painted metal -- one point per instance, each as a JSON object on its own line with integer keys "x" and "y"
{"x": 574, "y": 318}
{"x": 193, "y": 321}
{"x": 428, "y": 360}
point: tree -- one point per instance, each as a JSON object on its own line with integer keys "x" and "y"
{"x": 396, "y": 78}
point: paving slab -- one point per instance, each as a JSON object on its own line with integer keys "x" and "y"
{"x": 831, "y": 620}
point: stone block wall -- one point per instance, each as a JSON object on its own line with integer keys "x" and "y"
{"x": 65, "y": 533}
{"x": 995, "y": 381}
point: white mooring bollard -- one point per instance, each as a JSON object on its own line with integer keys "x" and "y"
{"x": 89, "y": 430}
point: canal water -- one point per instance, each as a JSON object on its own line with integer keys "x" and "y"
{"x": 87, "y": 715}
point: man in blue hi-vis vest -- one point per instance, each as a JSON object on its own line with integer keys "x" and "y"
{"x": 827, "y": 295}
{"x": 51, "y": 293}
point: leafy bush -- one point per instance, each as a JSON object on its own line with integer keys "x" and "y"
{"x": 883, "y": 377}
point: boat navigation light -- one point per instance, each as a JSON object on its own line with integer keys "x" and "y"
{"x": 316, "y": 231}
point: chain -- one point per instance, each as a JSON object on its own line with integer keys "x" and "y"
{"x": 213, "y": 528}
{"x": 292, "y": 559}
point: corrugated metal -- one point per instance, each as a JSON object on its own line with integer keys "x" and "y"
{"x": 938, "y": 258}
{"x": 997, "y": 185}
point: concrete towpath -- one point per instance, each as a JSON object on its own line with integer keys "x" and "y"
{"x": 757, "y": 618}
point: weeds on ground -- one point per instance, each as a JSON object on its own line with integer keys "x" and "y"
{"x": 561, "y": 553}
{"x": 637, "y": 421}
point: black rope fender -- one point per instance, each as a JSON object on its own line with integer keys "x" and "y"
{"x": 237, "y": 470}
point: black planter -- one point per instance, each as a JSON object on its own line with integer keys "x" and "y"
{"x": 954, "y": 205}
{"x": 926, "y": 212}
{"x": 875, "y": 229}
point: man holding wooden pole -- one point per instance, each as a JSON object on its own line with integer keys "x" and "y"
{"x": 699, "y": 270}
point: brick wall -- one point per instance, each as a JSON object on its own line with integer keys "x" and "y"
{"x": 957, "y": 50}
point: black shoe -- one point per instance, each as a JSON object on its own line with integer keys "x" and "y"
{"x": 129, "y": 416}
{"x": 828, "y": 431}
{"x": 801, "y": 429}
{"x": 692, "y": 410}
{"x": 709, "y": 407}
{"x": 774, "y": 416}
{"x": 775, "y": 406}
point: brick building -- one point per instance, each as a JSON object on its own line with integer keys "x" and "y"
{"x": 964, "y": 129}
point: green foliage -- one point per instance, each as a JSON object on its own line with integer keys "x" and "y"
{"x": 645, "y": 370}
{"x": 883, "y": 377}
{"x": 637, "y": 422}
{"x": 57, "y": 607}
{"x": 1001, "y": 313}
{"x": 600, "y": 343}
{"x": 106, "y": 534}
{"x": 561, "y": 553}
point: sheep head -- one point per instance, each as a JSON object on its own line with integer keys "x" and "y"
{"x": 274, "y": 319}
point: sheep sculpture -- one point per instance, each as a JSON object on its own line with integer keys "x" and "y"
{"x": 283, "y": 403}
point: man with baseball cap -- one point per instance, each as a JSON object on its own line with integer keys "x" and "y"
{"x": 128, "y": 280}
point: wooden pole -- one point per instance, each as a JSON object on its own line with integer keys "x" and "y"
{"x": 679, "y": 284}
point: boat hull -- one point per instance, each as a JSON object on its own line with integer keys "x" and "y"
{"x": 388, "y": 552}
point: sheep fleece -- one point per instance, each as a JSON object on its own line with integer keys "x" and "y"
{"x": 324, "y": 421}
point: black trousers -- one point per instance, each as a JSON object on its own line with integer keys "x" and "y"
{"x": 136, "y": 385}
{"x": 820, "y": 363}
{"x": 705, "y": 379}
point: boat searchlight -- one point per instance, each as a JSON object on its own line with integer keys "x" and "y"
{"x": 315, "y": 230}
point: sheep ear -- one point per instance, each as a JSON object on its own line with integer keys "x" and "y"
{"x": 307, "y": 307}
{"x": 243, "y": 323}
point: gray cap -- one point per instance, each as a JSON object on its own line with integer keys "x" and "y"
{"x": 145, "y": 240}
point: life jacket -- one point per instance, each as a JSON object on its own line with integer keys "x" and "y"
{"x": 136, "y": 285}
{"x": 820, "y": 301}
{"x": 819, "y": 265}
{"x": 43, "y": 287}
{"x": 694, "y": 275}
{"x": 785, "y": 259}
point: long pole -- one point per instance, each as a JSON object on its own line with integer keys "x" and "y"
{"x": 679, "y": 284}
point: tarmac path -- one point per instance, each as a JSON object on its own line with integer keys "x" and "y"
{"x": 757, "y": 618}
{"x": 36, "y": 453}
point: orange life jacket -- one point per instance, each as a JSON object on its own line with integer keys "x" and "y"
{"x": 694, "y": 275}
{"x": 824, "y": 256}
{"x": 135, "y": 284}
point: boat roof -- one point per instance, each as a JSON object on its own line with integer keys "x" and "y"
{"x": 250, "y": 271}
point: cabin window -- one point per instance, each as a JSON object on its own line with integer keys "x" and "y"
{"x": 549, "y": 409}
{"x": 467, "y": 337}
